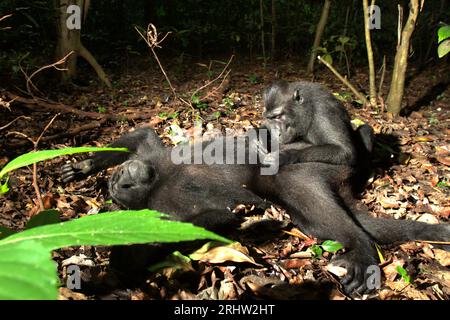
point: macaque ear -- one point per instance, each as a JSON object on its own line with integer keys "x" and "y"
{"x": 297, "y": 96}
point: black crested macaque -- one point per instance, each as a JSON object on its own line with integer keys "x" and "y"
{"x": 312, "y": 126}
{"x": 201, "y": 194}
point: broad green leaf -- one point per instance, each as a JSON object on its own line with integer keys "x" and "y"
{"x": 27, "y": 272}
{"x": 443, "y": 33}
{"x": 331, "y": 246}
{"x": 33, "y": 157}
{"x": 401, "y": 271}
{"x": 444, "y": 48}
{"x": 5, "y": 232}
{"x": 43, "y": 218}
{"x": 113, "y": 228}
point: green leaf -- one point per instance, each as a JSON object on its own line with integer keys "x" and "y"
{"x": 176, "y": 261}
{"x": 33, "y": 157}
{"x": 401, "y": 271}
{"x": 343, "y": 39}
{"x": 331, "y": 246}
{"x": 43, "y": 218}
{"x": 5, "y": 232}
{"x": 328, "y": 58}
{"x": 316, "y": 250}
{"x": 443, "y": 33}
{"x": 195, "y": 99}
{"x": 113, "y": 228}
{"x": 4, "y": 188}
{"x": 27, "y": 272}
{"x": 444, "y": 48}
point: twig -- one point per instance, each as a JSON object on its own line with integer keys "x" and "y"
{"x": 3, "y": 18}
{"x": 10, "y": 123}
{"x": 53, "y": 65}
{"x": 212, "y": 81}
{"x": 152, "y": 41}
{"x": 216, "y": 88}
{"x": 355, "y": 91}
{"x": 35, "y": 146}
{"x": 45, "y": 129}
{"x": 17, "y": 133}
{"x": 35, "y": 185}
{"x": 383, "y": 71}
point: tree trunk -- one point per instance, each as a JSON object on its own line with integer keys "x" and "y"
{"x": 261, "y": 15}
{"x": 66, "y": 41}
{"x": 319, "y": 31}
{"x": 372, "y": 84}
{"x": 70, "y": 40}
{"x": 395, "y": 96}
{"x": 274, "y": 29}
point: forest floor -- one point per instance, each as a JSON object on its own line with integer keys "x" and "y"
{"x": 411, "y": 180}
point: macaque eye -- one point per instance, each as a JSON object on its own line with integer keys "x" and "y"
{"x": 277, "y": 116}
{"x": 297, "y": 96}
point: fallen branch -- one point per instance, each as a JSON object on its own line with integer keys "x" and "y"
{"x": 33, "y": 103}
{"x": 68, "y": 133}
{"x": 358, "y": 94}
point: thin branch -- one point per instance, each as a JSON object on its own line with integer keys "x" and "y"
{"x": 53, "y": 65}
{"x": 35, "y": 145}
{"x": 10, "y": 123}
{"x": 214, "y": 80}
{"x": 3, "y": 18}
{"x": 35, "y": 184}
{"x": 152, "y": 41}
{"x": 383, "y": 71}
{"x": 45, "y": 129}
{"x": 355, "y": 91}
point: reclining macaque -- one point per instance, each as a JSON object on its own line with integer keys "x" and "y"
{"x": 309, "y": 189}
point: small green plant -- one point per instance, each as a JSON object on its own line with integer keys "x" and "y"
{"x": 404, "y": 274}
{"x": 228, "y": 102}
{"x": 442, "y": 184}
{"x": 198, "y": 104}
{"x": 254, "y": 79}
{"x": 444, "y": 41}
{"x": 101, "y": 109}
{"x": 327, "y": 246}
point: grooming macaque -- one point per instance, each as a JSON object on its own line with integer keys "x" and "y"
{"x": 312, "y": 126}
{"x": 310, "y": 189}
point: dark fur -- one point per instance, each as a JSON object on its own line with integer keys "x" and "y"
{"x": 312, "y": 192}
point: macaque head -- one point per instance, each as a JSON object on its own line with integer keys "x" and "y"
{"x": 131, "y": 184}
{"x": 289, "y": 109}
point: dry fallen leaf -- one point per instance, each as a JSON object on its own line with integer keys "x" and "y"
{"x": 234, "y": 252}
{"x": 336, "y": 270}
{"x": 428, "y": 218}
{"x": 296, "y": 263}
{"x": 442, "y": 256}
